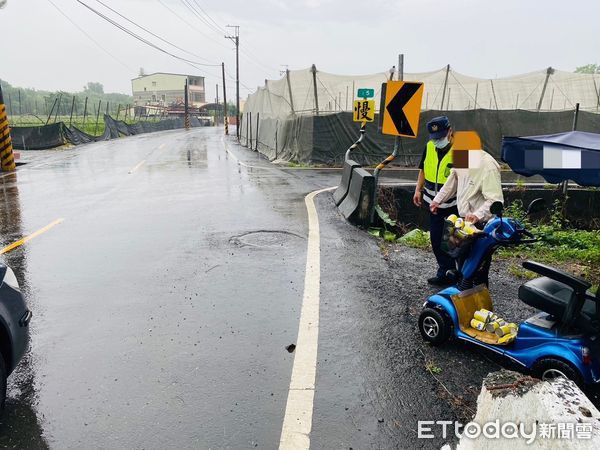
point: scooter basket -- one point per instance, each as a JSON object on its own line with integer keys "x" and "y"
{"x": 455, "y": 243}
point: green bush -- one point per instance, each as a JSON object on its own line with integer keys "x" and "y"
{"x": 416, "y": 238}
{"x": 560, "y": 244}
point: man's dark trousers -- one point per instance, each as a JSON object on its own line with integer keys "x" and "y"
{"x": 436, "y": 231}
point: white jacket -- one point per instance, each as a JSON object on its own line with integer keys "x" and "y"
{"x": 475, "y": 188}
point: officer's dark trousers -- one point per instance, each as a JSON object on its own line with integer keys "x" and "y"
{"x": 436, "y": 231}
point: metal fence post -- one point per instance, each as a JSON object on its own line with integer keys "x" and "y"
{"x": 250, "y": 129}
{"x": 257, "y": 124}
{"x": 84, "y": 113}
{"x": 314, "y": 72}
{"x": 287, "y": 77}
{"x": 445, "y": 86}
{"x": 549, "y": 72}
{"x": 276, "y": 133}
{"x": 98, "y": 116}
{"x": 71, "y": 116}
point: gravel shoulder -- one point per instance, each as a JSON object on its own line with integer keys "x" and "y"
{"x": 376, "y": 377}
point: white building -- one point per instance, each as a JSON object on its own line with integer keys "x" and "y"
{"x": 166, "y": 89}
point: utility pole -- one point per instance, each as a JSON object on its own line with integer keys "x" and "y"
{"x": 236, "y": 39}
{"x": 225, "y": 116}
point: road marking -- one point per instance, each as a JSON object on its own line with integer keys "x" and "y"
{"x": 297, "y": 421}
{"x": 162, "y": 146}
{"x": 230, "y": 153}
{"x": 20, "y": 242}
{"x": 140, "y": 164}
{"x": 241, "y": 163}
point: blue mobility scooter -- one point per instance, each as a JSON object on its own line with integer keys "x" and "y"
{"x": 561, "y": 340}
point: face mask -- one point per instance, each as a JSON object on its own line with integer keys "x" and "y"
{"x": 441, "y": 143}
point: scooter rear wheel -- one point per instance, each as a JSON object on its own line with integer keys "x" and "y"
{"x": 551, "y": 368}
{"x": 434, "y": 326}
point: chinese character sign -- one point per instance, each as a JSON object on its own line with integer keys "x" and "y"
{"x": 364, "y": 110}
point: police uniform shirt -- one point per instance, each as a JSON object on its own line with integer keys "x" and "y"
{"x": 441, "y": 152}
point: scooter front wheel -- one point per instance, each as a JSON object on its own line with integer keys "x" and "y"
{"x": 434, "y": 326}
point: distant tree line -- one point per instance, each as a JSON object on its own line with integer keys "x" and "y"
{"x": 588, "y": 68}
{"x": 31, "y": 105}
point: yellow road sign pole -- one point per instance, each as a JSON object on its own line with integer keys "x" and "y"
{"x": 400, "y": 114}
{"x": 6, "y": 149}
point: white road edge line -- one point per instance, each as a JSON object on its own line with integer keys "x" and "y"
{"x": 241, "y": 163}
{"x": 297, "y": 422}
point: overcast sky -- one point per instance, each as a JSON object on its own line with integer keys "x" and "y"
{"x": 44, "y": 50}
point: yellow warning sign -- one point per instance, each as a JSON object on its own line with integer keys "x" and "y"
{"x": 402, "y": 108}
{"x": 364, "y": 110}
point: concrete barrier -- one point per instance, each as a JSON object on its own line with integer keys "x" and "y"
{"x": 356, "y": 206}
{"x": 340, "y": 193}
{"x": 559, "y": 412}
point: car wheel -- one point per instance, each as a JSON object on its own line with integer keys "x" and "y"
{"x": 2, "y": 382}
{"x": 434, "y": 326}
{"x": 551, "y": 368}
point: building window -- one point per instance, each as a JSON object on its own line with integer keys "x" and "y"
{"x": 154, "y": 84}
{"x": 163, "y": 97}
{"x": 144, "y": 89}
{"x": 153, "y": 97}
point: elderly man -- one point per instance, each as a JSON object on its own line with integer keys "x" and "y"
{"x": 475, "y": 188}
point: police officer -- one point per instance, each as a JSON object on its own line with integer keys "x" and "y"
{"x": 434, "y": 171}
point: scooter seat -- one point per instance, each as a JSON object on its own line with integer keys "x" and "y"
{"x": 552, "y": 296}
{"x": 547, "y": 295}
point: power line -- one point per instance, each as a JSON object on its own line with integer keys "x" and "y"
{"x": 230, "y": 77}
{"x": 191, "y": 25}
{"x": 218, "y": 29}
{"x": 208, "y": 15}
{"x": 153, "y": 34}
{"x": 145, "y": 41}
{"x": 253, "y": 59}
{"x": 189, "y": 5}
{"x": 89, "y": 36}
{"x": 216, "y": 26}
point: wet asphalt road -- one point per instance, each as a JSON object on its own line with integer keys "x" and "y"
{"x": 165, "y": 299}
{"x": 162, "y": 307}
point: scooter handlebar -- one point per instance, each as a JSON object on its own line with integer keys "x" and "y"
{"x": 533, "y": 239}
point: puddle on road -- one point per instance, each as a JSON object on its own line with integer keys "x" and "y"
{"x": 264, "y": 238}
